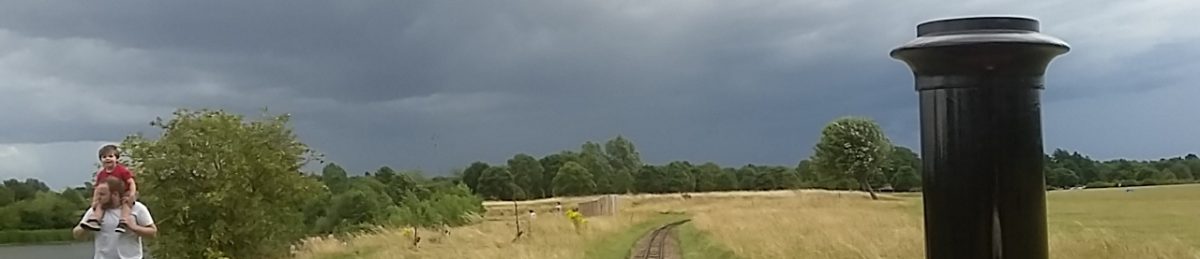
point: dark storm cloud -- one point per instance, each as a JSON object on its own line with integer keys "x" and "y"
{"x": 437, "y": 84}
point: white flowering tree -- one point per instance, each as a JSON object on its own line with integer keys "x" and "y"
{"x": 853, "y": 147}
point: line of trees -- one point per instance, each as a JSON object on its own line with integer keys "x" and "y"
{"x": 386, "y": 197}
{"x": 853, "y": 154}
{"x": 617, "y": 168}
{"x": 1067, "y": 169}
{"x": 30, "y": 205}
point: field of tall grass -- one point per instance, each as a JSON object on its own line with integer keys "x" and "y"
{"x": 1149, "y": 222}
{"x": 548, "y": 236}
{"x": 1146, "y": 222}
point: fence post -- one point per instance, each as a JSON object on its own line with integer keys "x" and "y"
{"x": 979, "y": 81}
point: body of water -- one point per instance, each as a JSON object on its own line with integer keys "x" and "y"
{"x": 65, "y": 251}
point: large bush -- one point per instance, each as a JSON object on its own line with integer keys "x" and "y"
{"x": 221, "y": 186}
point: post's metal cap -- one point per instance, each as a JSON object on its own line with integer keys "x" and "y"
{"x": 980, "y": 30}
{"x": 978, "y": 23}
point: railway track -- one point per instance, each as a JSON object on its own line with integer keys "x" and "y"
{"x": 656, "y": 246}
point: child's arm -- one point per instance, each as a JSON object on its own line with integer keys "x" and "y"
{"x": 130, "y": 185}
{"x": 94, "y": 196}
{"x": 132, "y": 193}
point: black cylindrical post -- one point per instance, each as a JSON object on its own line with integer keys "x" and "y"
{"x": 979, "y": 80}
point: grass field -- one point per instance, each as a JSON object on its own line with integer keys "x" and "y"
{"x": 1149, "y": 222}
{"x": 552, "y": 236}
{"x": 699, "y": 245}
{"x": 620, "y": 244}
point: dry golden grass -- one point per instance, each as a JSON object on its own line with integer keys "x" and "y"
{"x": 552, "y": 236}
{"x": 1154, "y": 222}
{"x": 813, "y": 225}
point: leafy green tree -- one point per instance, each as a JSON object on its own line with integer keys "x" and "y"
{"x": 384, "y": 174}
{"x": 1145, "y": 172}
{"x": 708, "y": 177}
{"x": 593, "y": 159}
{"x": 451, "y": 205}
{"x": 806, "y": 172}
{"x": 416, "y": 176}
{"x": 87, "y": 190}
{"x": 573, "y": 180}
{"x": 651, "y": 179}
{"x": 679, "y": 177}
{"x": 498, "y": 183}
{"x": 901, "y": 158}
{"x": 1193, "y": 166}
{"x": 360, "y": 207}
{"x": 776, "y": 178}
{"x": 447, "y": 205}
{"x": 1164, "y": 177}
{"x": 455, "y": 205}
{"x": 906, "y": 179}
{"x": 351, "y": 211}
{"x": 1061, "y": 177}
{"x": 6, "y": 196}
{"x": 854, "y": 146}
{"x": 77, "y": 196}
{"x": 1117, "y": 170}
{"x": 622, "y": 182}
{"x": 748, "y": 178}
{"x": 472, "y": 173}
{"x": 314, "y": 209}
{"x": 625, "y": 161}
{"x": 551, "y": 165}
{"x": 527, "y": 172}
{"x": 1181, "y": 170}
{"x": 835, "y": 180}
{"x": 334, "y": 177}
{"x": 728, "y": 180}
{"x": 47, "y": 210}
{"x": 26, "y": 190}
{"x": 10, "y": 218}
{"x": 222, "y": 186}
{"x": 395, "y": 185}
{"x": 1084, "y": 167}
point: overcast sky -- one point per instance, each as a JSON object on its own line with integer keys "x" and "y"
{"x": 434, "y": 85}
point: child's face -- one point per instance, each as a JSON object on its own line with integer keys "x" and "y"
{"x": 108, "y": 160}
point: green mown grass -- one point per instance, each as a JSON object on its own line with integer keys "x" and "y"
{"x": 618, "y": 246}
{"x": 696, "y": 244}
{"x": 1152, "y": 212}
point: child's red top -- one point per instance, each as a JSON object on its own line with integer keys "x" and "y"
{"x": 118, "y": 171}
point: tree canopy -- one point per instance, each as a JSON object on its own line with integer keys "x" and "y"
{"x": 854, "y": 146}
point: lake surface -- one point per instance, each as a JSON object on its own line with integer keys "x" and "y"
{"x": 65, "y": 251}
{"x": 80, "y": 250}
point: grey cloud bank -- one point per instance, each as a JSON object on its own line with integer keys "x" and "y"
{"x": 434, "y": 85}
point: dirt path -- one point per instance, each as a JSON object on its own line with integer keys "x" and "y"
{"x": 662, "y": 243}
